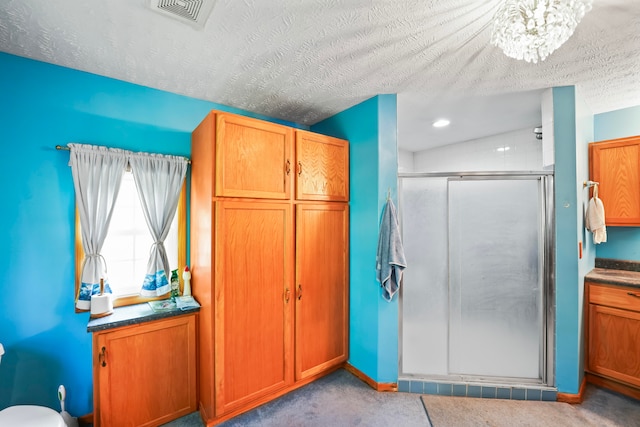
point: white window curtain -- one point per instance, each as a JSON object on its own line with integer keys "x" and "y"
{"x": 159, "y": 181}
{"x": 97, "y": 174}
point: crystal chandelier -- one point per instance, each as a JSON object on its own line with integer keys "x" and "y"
{"x": 533, "y": 29}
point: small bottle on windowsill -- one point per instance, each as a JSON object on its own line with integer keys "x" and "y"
{"x": 186, "y": 278}
{"x": 175, "y": 285}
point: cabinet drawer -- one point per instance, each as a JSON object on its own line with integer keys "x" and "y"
{"x": 618, "y": 297}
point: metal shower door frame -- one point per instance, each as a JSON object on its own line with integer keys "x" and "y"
{"x": 547, "y": 358}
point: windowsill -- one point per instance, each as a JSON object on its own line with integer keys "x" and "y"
{"x": 125, "y": 300}
{"x": 133, "y": 315}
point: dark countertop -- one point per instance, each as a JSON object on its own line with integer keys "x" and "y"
{"x": 615, "y": 272}
{"x": 614, "y": 277}
{"x": 133, "y": 315}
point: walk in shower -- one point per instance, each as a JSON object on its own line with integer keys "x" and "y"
{"x": 476, "y": 301}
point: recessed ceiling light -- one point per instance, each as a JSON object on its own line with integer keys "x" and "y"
{"x": 441, "y": 123}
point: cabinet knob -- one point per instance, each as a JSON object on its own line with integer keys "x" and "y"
{"x": 299, "y": 168}
{"x": 287, "y": 294}
{"x": 287, "y": 167}
{"x": 299, "y": 292}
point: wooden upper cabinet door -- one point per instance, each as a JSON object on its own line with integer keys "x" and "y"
{"x": 615, "y": 165}
{"x": 322, "y": 287}
{"x": 322, "y": 167}
{"x": 254, "y": 301}
{"x": 253, "y": 158}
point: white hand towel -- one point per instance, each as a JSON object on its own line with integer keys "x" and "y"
{"x": 390, "y": 259}
{"x": 594, "y": 220}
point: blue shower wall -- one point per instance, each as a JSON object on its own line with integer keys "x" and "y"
{"x": 622, "y": 242}
{"x": 370, "y": 128}
{"x": 41, "y": 106}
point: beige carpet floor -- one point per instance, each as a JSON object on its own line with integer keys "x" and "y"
{"x": 445, "y": 411}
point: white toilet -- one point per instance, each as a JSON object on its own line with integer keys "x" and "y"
{"x": 29, "y": 415}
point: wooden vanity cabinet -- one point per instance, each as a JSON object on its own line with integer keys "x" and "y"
{"x": 269, "y": 263}
{"x": 615, "y": 164}
{"x": 613, "y": 337}
{"x": 145, "y": 374}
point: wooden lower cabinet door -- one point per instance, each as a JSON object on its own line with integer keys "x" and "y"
{"x": 614, "y": 343}
{"x": 145, "y": 375}
{"x": 321, "y": 287}
{"x": 253, "y": 302}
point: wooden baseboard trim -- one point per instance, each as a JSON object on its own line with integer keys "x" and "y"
{"x": 573, "y": 398}
{"x": 86, "y": 419}
{"x": 621, "y": 388}
{"x": 383, "y": 387}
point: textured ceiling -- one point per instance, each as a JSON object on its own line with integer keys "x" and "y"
{"x": 304, "y": 60}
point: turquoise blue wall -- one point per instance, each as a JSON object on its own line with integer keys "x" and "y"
{"x": 44, "y": 105}
{"x": 370, "y": 128}
{"x": 584, "y": 135}
{"x": 41, "y": 106}
{"x": 573, "y": 130}
{"x": 617, "y": 124}
{"x": 567, "y": 310}
{"x": 622, "y": 242}
{"x": 388, "y": 320}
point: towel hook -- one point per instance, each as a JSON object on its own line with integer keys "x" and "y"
{"x": 389, "y": 194}
{"x": 589, "y": 184}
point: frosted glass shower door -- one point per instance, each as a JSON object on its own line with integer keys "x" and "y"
{"x": 425, "y": 295}
{"x": 496, "y": 301}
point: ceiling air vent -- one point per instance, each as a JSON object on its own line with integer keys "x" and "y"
{"x": 194, "y": 12}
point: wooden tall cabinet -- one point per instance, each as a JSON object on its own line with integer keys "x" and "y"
{"x": 615, "y": 164}
{"x": 269, "y": 253}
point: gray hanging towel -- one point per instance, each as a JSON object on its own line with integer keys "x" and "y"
{"x": 390, "y": 260}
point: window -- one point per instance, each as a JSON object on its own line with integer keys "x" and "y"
{"x": 126, "y": 248}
